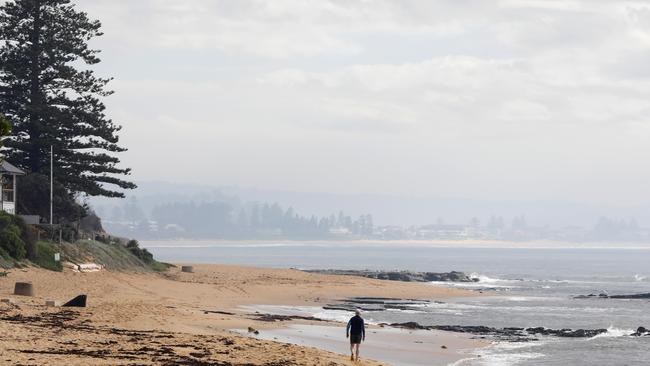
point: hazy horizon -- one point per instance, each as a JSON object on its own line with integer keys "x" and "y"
{"x": 386, "y": 209}
{"x": 483, "y": 100}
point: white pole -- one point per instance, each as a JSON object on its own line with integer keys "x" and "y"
{"x": 51, "y": 184}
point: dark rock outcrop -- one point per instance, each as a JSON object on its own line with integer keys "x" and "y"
{"x": 641, "y": 332}
{"x": 376, "y": 304}
{"x": 570, "y": 333}
{"x": 510, "y": 334}
{"x": 606, "y": 296}
{"x": 633, "y": 296}
{"x": 404, "y": 276}
{"x": 282, "y": 318}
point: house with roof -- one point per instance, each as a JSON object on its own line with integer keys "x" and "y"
{"x": 8, "y": 181}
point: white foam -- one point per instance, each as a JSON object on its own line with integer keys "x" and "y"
{"x": 471, "y": 284}
{"x": 500, "y": 354}
{"x": 486, "y": 279}
{"x": 613, "y": 332}
{"x": 640, "y": 278}
{"x": 333, "y": 315}
{"x": 406, "y": 311}
{"x": 507, "y": 359}
{"x": 520, "y": 298}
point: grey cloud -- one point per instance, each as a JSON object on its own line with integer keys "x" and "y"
{"x": 468, "y": 98}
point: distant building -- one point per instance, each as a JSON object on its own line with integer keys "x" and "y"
{"x": 8, "y": 174}
{"x": 272, "y": 232}
{"x": 390, "y": 232}
{"x": 340, "y": 231}
{"x": 455, "y": 232}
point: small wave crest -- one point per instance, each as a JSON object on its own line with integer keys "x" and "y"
{"x": 485, "y": 279}
{"x": 613, "y": 332}
{"x": 503, "y": 354}
{"x": 640, "y": 278}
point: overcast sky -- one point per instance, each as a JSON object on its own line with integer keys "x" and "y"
{"x": 508, "y": 100}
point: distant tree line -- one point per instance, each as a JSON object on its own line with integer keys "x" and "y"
{"x": 229, "y": 218}
{"x": 224, "y": 220}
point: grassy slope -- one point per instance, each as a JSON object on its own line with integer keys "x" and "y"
{"x": 111, "y": 256}
{"x": 5, "y": 264}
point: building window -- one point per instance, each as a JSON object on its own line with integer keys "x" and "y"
{"x": 8, "y": 188}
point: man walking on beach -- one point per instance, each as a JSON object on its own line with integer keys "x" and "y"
{"x": 356, "y": 331}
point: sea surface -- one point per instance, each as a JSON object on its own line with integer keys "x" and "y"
{"x": 523, "y": 287}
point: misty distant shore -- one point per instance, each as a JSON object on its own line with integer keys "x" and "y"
{"x": 537, "y": 244}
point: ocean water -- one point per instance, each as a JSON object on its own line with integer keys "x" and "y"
{"x": 523, "y": 287}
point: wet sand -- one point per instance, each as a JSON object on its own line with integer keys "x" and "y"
{"x": 395, "y": 346}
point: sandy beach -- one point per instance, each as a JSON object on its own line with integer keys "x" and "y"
{"x": 193, "y": 318}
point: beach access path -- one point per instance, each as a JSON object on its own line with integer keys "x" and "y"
{"x": 187, "y": 318}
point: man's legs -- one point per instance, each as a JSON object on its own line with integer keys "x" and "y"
{"x": 351, "y": 351}
{"x": 356, "y": 346}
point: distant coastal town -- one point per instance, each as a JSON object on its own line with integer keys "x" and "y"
{"x": 232, "y": 219}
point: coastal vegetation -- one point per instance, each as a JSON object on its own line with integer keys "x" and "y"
{"x": 53, "y": 100}
{"x": 111, "y": 253}
{"x": 53, "y": 123}
{"x": 19, "y": 246}
{"x": 11, "y": 242}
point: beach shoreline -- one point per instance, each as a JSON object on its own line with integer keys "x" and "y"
{"x": 201, "y": 309}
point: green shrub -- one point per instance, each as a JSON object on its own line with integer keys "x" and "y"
{"x": 103, "y": 239}
{"x": 10, "y": 236}
{"x": 160, "y": 266}
{"x": 28, "y": 234}
{"x": 45, "y": 256}
{"x": 143, "y": 254}
{"x": 4, "y": 255}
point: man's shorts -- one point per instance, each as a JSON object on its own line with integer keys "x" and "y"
{"x": 355, "y": 338}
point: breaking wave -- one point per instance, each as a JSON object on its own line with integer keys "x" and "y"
{"x": 613, "y": 332}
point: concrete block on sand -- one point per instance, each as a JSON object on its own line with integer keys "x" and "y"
{"x": 90, "y": 267}
{"x": 79, "y": 301}
{"x": 24, "y": 289}
{"x": 52, "y": 303}
{"x": 71, "y": 266}
{"x": 188, "y": 269}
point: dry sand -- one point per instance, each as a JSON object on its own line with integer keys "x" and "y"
{"x": 180, "y": 318}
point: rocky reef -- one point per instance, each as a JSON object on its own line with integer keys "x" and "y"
{"x": 606, "y": 296}
{"x": 376, "y": 304}
{"x": 511, "y": 334}
{"x": 404, "y": 276}
{"x": 516, "y": 334}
